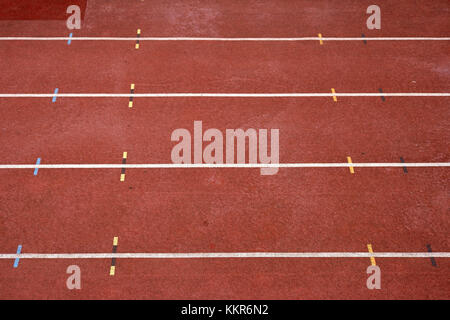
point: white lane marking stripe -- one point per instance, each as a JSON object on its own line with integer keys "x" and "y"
{"x": 227, "y": 255}
{"x": 226, "y": 39}
{"x": 237, "y": 95}
{"x": 231, "y": 165}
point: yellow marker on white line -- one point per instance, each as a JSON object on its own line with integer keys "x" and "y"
{"x": 130, "y": 103}
{"x": 334, "y": 92}
{"x": 372, "y": 259}
{"x": 124, "y": 160}
{"x": 137, "y": 44}
{"x": 349, "y": 160}
{"x": 112, "y": 270}
{"x": 320, "y": 38}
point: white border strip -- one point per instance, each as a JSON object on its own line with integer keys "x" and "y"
{"x": 200, "y": 255}
{"x": 224, "y": 39}
{"x": 225, "y": 165}
{"x": 220, "y": 95}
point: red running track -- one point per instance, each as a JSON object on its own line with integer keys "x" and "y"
{"x": 231, "y": 210}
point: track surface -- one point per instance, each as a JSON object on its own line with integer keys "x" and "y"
{"x": 227, "y": 210}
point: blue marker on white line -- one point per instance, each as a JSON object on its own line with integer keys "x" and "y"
{"x": 16, "y": 262}
{"x": 38, "y": 161}
{"x": 70, "y": 39}
{"x": 54, "y": 95}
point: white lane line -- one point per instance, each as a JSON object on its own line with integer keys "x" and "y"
{"x": 226, "y": 255}
{"x": 231, "y": 165}
{"x": 224, "y": 39}
{"x": 221, "y": 95}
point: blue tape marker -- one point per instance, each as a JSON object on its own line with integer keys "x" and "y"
{"x": 54, "y": 96}
{"x": 70, "y": 40}
{"x": 38, "y": 161}
{"x": 16, "y": 262}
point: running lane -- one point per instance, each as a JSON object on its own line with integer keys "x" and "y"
{"x": 226, "y": 279}
{"x": 227, "y": 210}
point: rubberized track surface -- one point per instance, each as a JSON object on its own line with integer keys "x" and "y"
{"x": 227, "y": 210}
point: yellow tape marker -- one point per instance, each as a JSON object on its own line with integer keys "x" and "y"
{"x": 112, "y": 270}
{"x": 124, "y": 161}
{"x": 320, "y": 38}
{"x": 137, "y": 42}
{"x": 130, "y": 103}
{"x": 372, "y": 259}
{"x": 349, "y": 160}
{"x": 334, "y": 92}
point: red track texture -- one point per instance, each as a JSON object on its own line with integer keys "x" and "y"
{"x": 227, "y": 210}
{"x": 38, "y": 9}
